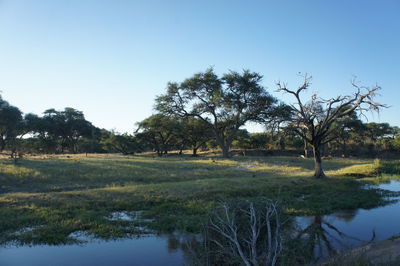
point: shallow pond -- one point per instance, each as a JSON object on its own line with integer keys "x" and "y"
{"x": 348, "y": 229}
{"x": 147, "y": 250}
{"x": 340, "y": 230}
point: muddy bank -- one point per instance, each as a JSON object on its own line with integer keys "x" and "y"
{"x": 386, "y": 252}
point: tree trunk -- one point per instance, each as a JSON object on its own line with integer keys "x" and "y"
{"x": 305, "y": 149}
{"x": 344, "y": 148}
{"x": 194, "y": 152}
{"x": 74, "y": 147}
{"x": 282, "y": 144}
{"x": 223, "y": 143}
{"x": 2, "y": 144}
{"x": 203, "y": 147}
{"x": 319, "y": 172}
{"x": 225, "y": 151}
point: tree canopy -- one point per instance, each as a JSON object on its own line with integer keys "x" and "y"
{"x": 225, "y": 104}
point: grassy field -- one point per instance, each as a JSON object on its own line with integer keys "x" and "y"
{"x": 49, "y": 199}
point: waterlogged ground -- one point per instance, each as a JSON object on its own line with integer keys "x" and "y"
{"x": 49, "y": 204}
{"x": 331, "y": 233}
{"x": 344, "y": 230}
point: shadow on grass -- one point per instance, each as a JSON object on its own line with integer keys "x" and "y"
{"x": 77, "y": 194}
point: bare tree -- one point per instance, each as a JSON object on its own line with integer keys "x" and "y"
{"x": 313, "y": 120}
{"x": 251, "y": 234}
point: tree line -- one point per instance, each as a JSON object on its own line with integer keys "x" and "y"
{"x": 209, "y": 111}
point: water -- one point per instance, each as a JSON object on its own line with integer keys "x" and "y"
{"x": 338, "y": 231}
{"x": 348, "y": 229}
{"x": 146, "y": 251}
{"x": 392, "y": 186}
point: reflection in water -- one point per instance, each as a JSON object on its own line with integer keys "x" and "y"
{"x": 346, "y": 215}
{"x": 174, "y": 243}
{"x": 317, "y": 239}
{"x": 322, "y": 239}
{"x": 322, "y": 235}
{"x": 147, "y": 251}
{"x": 329, "y": 234}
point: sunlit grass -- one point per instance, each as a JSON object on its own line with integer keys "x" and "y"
{"x": 58, "y": 195}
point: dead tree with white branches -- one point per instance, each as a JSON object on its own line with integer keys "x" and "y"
{"x": 249, "y": 234}
{"x": 313, "y": 120}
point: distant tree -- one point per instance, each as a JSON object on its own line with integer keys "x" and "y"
{"x": 87, "y": 145}
{"x": 160, "y": 132}
{"x": 91, "y": 144}
{"x": 42, "y": 132}
{"x": 242, "y": 140}
{"x": 313, "y": 120}
{"x": 258, "y": 140}
{"x": 68, "y": 125}
{"x": 275, "y": 123}
{"x": 10, "y": 124}
{"x": 344, "y": 128}
{"x": 224, "y": 104}
{"x": 195, "y": 133}
{"x": 396, "y": 143}
{"x": 293, "y": 140}
{"x": 32, "y": 123}
{"x": 377, "y": 131}
{"x": 122, "y": 143}
{"x": 379, "y": 135}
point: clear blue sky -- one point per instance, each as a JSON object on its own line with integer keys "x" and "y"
{"x": 111, "y": 58}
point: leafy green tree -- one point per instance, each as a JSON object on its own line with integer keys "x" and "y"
{"x": 41, "y": 130}
{"x": 379, "y": 134}
{"x": 161, "y": 132}
{"x": 258, "y": 140}
{"x": 242, "y": 140}
{"x": 123, "y": 143}
{"x": 224, "y": 104}
{"x": 396, "y": 143}
{"x": 344, "y": 128}
{"x": 275, "y": 122}
{"x": 195, "y": 133}
{"x": 92, "y": 144}
{"x": 10, "y": 119}
{"x": 68, "y": 125}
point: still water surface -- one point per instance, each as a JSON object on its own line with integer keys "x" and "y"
{"x": 340, "y": 230}
{"x": 147, "y": 251}
{"x": 348, "y": 229}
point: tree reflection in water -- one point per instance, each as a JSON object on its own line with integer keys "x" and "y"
{"x": 317, "y": 240}
{"x": 321, "y": 239}
{"x": 240, "y": 233}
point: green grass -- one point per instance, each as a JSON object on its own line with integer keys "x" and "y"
{"x": 376, "y": 171}
{"x": 45, "y": 199}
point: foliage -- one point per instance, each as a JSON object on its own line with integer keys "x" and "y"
{"x": 124, "y": 144}
{"x": 161, "y": 132}
{"x": 195, "y": 133}
{"x": 10, "y": 120}
{"x": 224, "y": 104}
